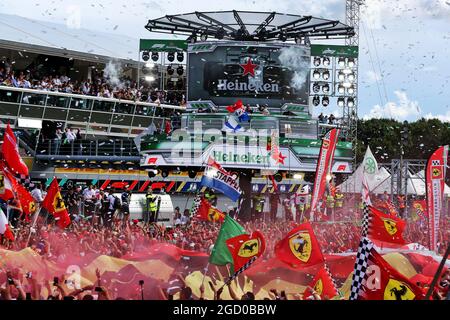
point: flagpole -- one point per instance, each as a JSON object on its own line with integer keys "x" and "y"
{"x": 438, "y": 273}
{"x": 36, "y": 215}
{"x": 204, "y": 273}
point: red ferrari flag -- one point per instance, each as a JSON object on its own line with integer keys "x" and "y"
{"x": 244, "y": 247}
{"x": 324, "y": 164}
{"x": 6, "y": 189}
{"x": 380, "y": 281}
{"x": 434, "y": 180}
{"x": 299, "y": 248}
{"x": 4, "y": 227}
{"x": 420, "y": 209}
{"x": 387, "y": 228}
{"x": 208, "y": 212}
{"x": 54, "y": 204}
{"x": 323, "y": 284}
{"x": 11, "y": 153}
{"x": 26, "y": 200}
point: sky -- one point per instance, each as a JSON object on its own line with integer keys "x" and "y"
{"x": 404, "y": 68}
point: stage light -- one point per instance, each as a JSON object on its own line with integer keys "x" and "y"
{"x": 180, "y": 70}
{"x": 155, "y": 56}
{"x": 347, "y": 84}
{"x": 204, "y": 36}
{"x": 316, "y": 100}
{"x": 351, "y": 90}
{"x": 164, "y": 173}
{"x": 145, "y": 55}
{"x": 325, "y": 101}
{"x": 170, "y": 70}
{"x": 145, "y": 69}
{"x": 149, "y": 78}
{"x": 180, "y": 56}
{"x": 298, "y": 40}
{"x": 192, "y": 38}
{"x": 340, "y": 102}
{"x": 171, "y": 56}
{"x": 298, "y": 176}
{"x": 341, "y": 89}
{"x": 192, "y": 174}
{"x": 341, "y": 76}
{"x": 326, "y": 88}
{"x": 278, "y": 177}
{"x": 326, "y": 75}
{"x": 220, "y": 33}
{"x": 351, "y": 77}
{"x": 350, "y": 102}
{"x": 316, "y": 74}
{"x": 282, "y": 36}
{"x": 317, "y": 61}
{"x": 341, "y": 62}
{"x": 152, "y": 173}
{"x": 326, "y": 61}
{"x": 316, "y": 87}
{"x": 351, "y": 62}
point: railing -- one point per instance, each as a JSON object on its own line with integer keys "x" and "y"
{"x": 93, "y": 115}
{"x": 289, "y": 126}
{"x": 103, "y": 150}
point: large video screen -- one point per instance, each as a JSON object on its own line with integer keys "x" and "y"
{"x": 265, "y": 74}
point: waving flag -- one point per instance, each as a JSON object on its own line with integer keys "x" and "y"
{"x": 434, "y": 180}
{"x": 238, "y": 105}
{"x": 220, "y": 254}
{"x": 6, "y": 188}
{"x": 207, "y": 212}
{"x": 54, "y": 204}
{"x": 231, "y": 125}
{"x": 4, "y": 227}
{"x": 27, "y": 202}
{"x": 365, "y": 191}
{"x": 299, "y": 248}
{"x": 420, "y": 209}
{"x": 370, "y": 164}
{"x": 323, "y": 168}
{"x": 385, "y": 228}
{"x": 219, "y": 179}
{"x": 245, "y": 247}
{"x": 323, "y": 284}
{"x": 375, "y": 279}
{"x": 11, "y": 154}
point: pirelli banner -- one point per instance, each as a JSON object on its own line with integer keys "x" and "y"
{"x": 265, "y": 73}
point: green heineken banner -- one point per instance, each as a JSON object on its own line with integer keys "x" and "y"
{"x": 161, "y": 45}
{"x": 334, "y": 51}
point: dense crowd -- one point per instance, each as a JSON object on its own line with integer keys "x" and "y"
{"x": 100, "y": 85}
{"x": 101, "y": 225}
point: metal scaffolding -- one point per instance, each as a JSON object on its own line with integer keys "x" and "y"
{"x": 350, "y": 113}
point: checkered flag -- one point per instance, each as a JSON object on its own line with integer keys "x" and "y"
{"x": 359, "y": 273}
{"x": 365, "y": 221}
{"x": 242, "y": 269}
{"x": 435, "y": 162}
{"x": 196, "y": 205}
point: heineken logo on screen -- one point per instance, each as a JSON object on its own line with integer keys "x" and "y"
{"x": 225, "y": 85}
{"x": 240, "y": 158}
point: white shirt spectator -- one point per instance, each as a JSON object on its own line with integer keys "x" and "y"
{"x": 37, "y": 195}
{"x": 88, "y": 194}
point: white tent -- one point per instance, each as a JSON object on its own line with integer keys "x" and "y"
{"x": 379, "y": 183}
{"x": 418, "y": 184}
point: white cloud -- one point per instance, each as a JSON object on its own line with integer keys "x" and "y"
{"x": 443, "y": 117}
{"x": 403, "y": 109}
{"x": 376, "y": 12}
